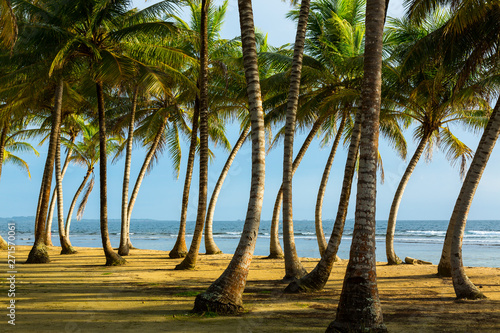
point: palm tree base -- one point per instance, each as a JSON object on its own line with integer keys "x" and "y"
{"x": 179, "y": 250}
{"x": 275, "y": 256}
{"x": 470, "y": 295}
{"x": 68, "y": 250}
{"x": 38, "y": 255}
{"x": 185, "y": 265}
{"x": 394, "y": 260}
{"x": 212, "y": 302}
{"x": 341, "y": 327}
{"x": 444, "y": 270}
{"x": 212, "y": 252}
{"x": 114, "y": 259}
{"x": 124, "y": 251}
{"x": 177, "y": 254}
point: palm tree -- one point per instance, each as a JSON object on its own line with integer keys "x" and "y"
{"x": 359, "y": 306}
{"x": 189, "y": 261}
{"x": 224, "y": 295}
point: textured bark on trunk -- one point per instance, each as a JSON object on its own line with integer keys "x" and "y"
{"x": 48, "y": 230}
{"x": 464, "y": 288}
{"x": 144, "y": 168}
{"x": 38, "y": 253}
{"x": 66, "y": 247}
{"x": 225, "y": 294}
{"x": 293, "y": 266}
{"x": 124, "y": 249}
{"x": 112, "y": 258}
{"x": 359, "y": 306}
{"x": 210, "y": 246}
{"x": 189, "y": 261}
{"x": 180, "y": 249}
{"x": 75, "y": 198}
{"x": 318, "y": 221}
{"x": 392, "y": 258}
{"x": 3, "y": 137}
{"x": 275, "y": 248}
{"x": 317, "y": 278}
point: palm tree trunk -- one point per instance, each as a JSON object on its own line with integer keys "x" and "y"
{"x": 3, "y": 137}
{"x": 293, "y": 266}
{"x": 225, "y": 294}
{"x": 317, "y": 278}
{"x": 112, "y": 258}
{"x": 66, "y": 247}
{"x": 75, "y": 198}
{"x": 189, "y": 261}
{"x": 38, "y": 253}
{"x": 210, "y": 246}
{"x": 180, "y": 248}
{"x": 3, "y": 140}
{"x": 392, "y": 258}
{"x": 275, "y": 248}
{"x": 144, "y": 168}
{"x": 322, "y": 188}
{"x": 359, "y": 306}
{"x": 48, "y": 230}
{"x": 464, "y": 288}
{"x": 123, "y": 249}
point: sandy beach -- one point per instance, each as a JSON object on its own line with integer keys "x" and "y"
{"x": 78, "y": 293}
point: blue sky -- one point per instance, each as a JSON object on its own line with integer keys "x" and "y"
{"x": 431, "y": 193}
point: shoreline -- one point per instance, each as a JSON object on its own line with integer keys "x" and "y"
{"x": 77, "y": 293}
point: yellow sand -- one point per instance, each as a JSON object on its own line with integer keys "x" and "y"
{"x": 76, "y": 293}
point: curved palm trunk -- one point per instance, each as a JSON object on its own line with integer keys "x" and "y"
{"x": 48, "y": 230}
{"x": 317, "y": 278}
{"x": 464, "y": 288}
{"x": 75, "y": 198}
{"x": 275, "y": 248}
{"x": 359, "y": 306}
{"x": 3, "y": 139}
{"x": 210, "y": 246}
{"x": 189, "y": 261}
{"x": 180, "y": 248}
{"x": 144, "y": 168}
{"x": 66, "y": 247}
{"x": 123, "y": 249}
{"x": 225, "y": 294}
{"x": 392, "y": 258}
{"x": 38, "y": 253}
{"x": 112, "y": 258}
{"x": 322, "y": 189}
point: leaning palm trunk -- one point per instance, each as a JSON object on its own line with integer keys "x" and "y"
{"x": 48, "y": 231}
{"x": 225, "y": 294}
{"x": 66, "y": 247}
{"x": 75, "y": 198}
{"x": 359, "y": 308}
{"x": 112, "y": 258}
{"x": 317, "y": 278}
{"x": 144, "y": 168}
{"x": 124, "y": 248}
{"x": 464, "y": 288}
{"x": 275, "y": 248}
{"x": 210, "y": 246}
{"x": 392, "y": 258}
{"x": 189, "y": 261}
{"x": 180, "y": 248}
{"x": 3, "y": 137}
{"x": 38, "y": 253}
{"x": 318, "y": 221}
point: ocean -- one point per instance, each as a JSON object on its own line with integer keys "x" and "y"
{"x": 417, "y": 239}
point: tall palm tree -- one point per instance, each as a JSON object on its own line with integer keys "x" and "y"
{"x": 293, "y": 266}
{"x": 189, "y": 261}
{"x": 224, "y": 295}
{"x": 359, "y": 306}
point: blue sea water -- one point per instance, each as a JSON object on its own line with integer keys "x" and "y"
{"x": 417, "y": 239}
